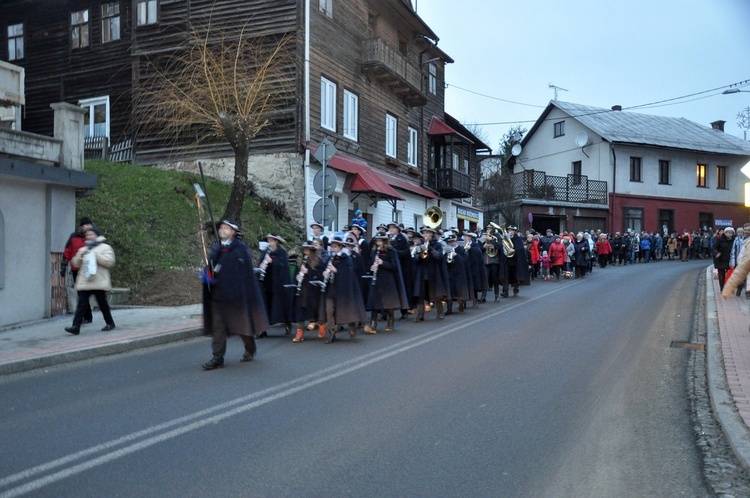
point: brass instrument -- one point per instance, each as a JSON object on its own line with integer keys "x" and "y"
{"x": 489, "y": 247}
{"x": 419, "y": 250}
{"x": 508, "y": 248}
{"x": 432, "y": 217}
{"x": 451, "y": 254}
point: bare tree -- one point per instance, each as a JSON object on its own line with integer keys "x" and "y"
{"x": 498, "y": 185}
{"x": 221, "y": 85}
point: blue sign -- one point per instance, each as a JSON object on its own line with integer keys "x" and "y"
{"x": 465, "y": 213}
{"x": 723, "y": 223}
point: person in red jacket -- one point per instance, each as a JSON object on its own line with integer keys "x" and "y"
{"x": 532, "y": 249}
{"x": 603, "y": 249}
{"x": 74, "y": 243}
{"x": 557, "y": 256}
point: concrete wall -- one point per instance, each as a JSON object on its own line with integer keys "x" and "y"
{"x": 276, "y": 176}
{"x": 25, "y": 295}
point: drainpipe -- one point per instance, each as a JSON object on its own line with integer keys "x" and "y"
{"x": 306, "y": 166}
{"x": 614, "y": 187}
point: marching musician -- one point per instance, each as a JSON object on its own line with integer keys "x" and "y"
{"x": 476, "y": 263}
{"x": 387, "y": 290}
{"x": 361, "y": 240}
{"x": 400, "y": 243}
{"x": 307, "y": 305}
{"x": 431, "y": 274}
{"x": 514, "y": 267}
{"x": 492, "y": 250}
{"x": 458, "y": 274}
{"x": 317, "y": 234}
{"x": 274, "y": 275}
{"x": 343, "y": 302}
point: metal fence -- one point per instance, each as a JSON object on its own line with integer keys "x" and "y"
{"x": 531, "y": 184}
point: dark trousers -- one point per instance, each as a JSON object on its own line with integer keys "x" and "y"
{"x": 722, "y": 277}
{"x": 87, "y": 316}
{"x": 511, "y": 279}
{"x": 84, "y": 307}
{"x": 230, "y": 318}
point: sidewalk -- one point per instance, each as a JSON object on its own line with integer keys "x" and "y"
{"x": 44, "y": 342}
{"x": 728, "y": 359}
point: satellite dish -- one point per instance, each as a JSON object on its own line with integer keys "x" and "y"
{"x": 516, "y": 150}
{"x": 582, "y": 139}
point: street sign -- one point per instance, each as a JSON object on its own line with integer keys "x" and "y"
{"x": 325, "y": 152}
{"x": 323, "y": 211}
{"x": 324, "y": 182}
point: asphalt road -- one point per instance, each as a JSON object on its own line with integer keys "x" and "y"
{"x": 570, "y": 389}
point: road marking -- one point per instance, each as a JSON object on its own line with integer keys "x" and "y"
{"x": 228, "y": 409}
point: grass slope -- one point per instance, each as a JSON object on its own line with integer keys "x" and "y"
{"x": 150, "y": 218}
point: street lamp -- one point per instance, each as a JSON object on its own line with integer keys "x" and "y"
{"x": 734, "y": 90}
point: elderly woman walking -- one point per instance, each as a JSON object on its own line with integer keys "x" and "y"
{"x": 94, "y": 259}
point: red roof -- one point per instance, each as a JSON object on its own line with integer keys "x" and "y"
{"x": 439, "y": 127}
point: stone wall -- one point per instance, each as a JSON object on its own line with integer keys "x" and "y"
{"x": 276, "y": 176}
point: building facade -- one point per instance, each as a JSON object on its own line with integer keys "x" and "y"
{"x": 583, "y": 167}
{"x": 369, "y": 79}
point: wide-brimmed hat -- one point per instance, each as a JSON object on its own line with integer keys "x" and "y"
{"x": 230, "y": 225}
{"x": 336, "y": 240}
{"x": 470, "y": 234}
{"x": 382, "y": 235}
{"x": 394, "y": 224}
{"x": 418, "y": 235}
{"x": 316, "y": 224}
{"x": 308, "y": 244}
{"x": 451, "y": 238}
{"x": 428, "y": 229}
{"x": 359, "y": 228}
{"x": 277, "y": 237}
{"x": 512, "y": 227}
{"x": 410, "y": 230}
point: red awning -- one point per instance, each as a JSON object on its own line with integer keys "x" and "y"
{"x": 440, "y": 127}
{"x": 366, "y": 178}
{"x": 409, "y": 186}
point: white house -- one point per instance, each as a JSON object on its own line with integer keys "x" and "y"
{"x": 588, "y": 167}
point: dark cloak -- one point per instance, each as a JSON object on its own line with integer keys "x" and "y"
{"x": 389, "y": 291}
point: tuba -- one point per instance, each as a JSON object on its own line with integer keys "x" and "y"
{"x": 489, "y": 247}
{"x": 432, "y": 217}
{"x": 508, "y": 249}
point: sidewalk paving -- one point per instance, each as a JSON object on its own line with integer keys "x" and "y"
{"x": 44, "y": 343}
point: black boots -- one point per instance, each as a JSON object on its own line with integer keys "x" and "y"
{"x": 73, "y": 330}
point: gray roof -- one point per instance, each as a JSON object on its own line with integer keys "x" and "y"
{"x": 644, "y": 129}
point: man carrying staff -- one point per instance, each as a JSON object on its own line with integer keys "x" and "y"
{"x": 232, "y": 301}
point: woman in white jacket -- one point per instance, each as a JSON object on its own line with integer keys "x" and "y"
{"x": 94, "y": 260}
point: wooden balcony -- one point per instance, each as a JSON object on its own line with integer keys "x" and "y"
{"x": 531, "y": 184}
{"x": 387, "y": 65}
{"x": 450, "y": 183}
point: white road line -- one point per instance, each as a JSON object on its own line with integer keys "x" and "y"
{"x": 201, "y": 419}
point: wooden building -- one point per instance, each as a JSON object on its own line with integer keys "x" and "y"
{"x": 370, "y": 79}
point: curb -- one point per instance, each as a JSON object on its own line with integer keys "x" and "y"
{"x": 122, "y": 346}
{"x": 722, "y": 403}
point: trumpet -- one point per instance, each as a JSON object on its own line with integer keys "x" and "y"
{"x": 451, "y": 254}
{"x": 417, "y": 249}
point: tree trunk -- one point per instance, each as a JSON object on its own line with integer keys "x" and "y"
{"x": 239, "y": 185}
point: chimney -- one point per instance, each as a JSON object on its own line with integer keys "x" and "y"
{"x": 617, "y": 108}
{"x": 718, "y": 125}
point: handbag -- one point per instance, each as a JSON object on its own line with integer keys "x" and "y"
{"x": 89, "y": 265}
{"x": 729, "y": 274}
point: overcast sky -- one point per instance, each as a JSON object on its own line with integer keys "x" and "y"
{"x": 603, "y": 52}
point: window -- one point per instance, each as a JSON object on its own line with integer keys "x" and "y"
{"x": 327, "y": 104}
{"x": 666, "y": 220}
{"x": 351, "y": 110}
{"x": 110, "y": 22}
{"x": 632, "y": 218}
{"x": 636, "y": 169}
{"x": 701, "y": 173}
{"x": 705, "y": 220}
{"x": 15, "y": 42}
{"x": 721, "y": 177}
{"x": 432, "y": 78}
{"x": 663, "y": 172}
{"x": 466, "y": 166}
{"x": 146, "y": 10}
{"x": 559, "y": 129}
{"x": 403, "y": 45}
{"x": 455, "y": 162}
{"x": 576, "y": 172}
{"x": 391, "y": 133}
{"x": 96, "y": 119}
{"x": 372, "y": 25}
{"x": 326, "y": 7}
{"x": 79, "y": 33}
{"x": 412, "y": 156}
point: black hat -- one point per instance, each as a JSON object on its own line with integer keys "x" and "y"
{"x": 409, "y": 230}
{"x": 85, "y": 221}
{"x": 95, "y": 230}
{"x": 336, "y": 240}
{"x": 418, "y": 235}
